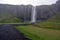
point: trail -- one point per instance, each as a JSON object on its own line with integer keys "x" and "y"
{"x": 8, "y": 32}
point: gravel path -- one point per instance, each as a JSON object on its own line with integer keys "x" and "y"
{"x": 8, "y": 32}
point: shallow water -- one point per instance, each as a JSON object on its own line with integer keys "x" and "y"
{"x": 8, "y": 32}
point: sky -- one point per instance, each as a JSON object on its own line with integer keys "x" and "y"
{"x": 26, "y": 2}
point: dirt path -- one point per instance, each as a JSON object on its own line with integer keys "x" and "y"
{"x": 8, "y": 32}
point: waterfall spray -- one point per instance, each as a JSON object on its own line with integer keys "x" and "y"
{"x": 33, "y": 15}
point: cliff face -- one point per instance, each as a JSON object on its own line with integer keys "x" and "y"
{"x": 20, "y": 11}
{"x": 46, "y": 11}
{"x": 58, "y": 5}
{"x": 24, "y": 11}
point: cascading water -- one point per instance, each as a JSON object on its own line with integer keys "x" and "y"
{"x": 33, "y": 15}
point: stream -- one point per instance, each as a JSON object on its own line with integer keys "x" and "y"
{"x": 8, "y": 32}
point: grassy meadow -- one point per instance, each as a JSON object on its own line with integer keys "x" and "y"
{"x": 46, "y": 30}
{"x": 36, "y": 33}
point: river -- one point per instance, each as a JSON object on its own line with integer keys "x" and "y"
{"x": 8, "y": 32}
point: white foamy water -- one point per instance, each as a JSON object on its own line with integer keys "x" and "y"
{"x": 33, "y": 15}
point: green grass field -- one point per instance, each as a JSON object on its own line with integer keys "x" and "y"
{"x": 35, "y": 33}
{"x": 51, "y": 23}
{"x": 47, "y": 30}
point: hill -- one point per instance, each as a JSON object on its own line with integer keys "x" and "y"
{"x": 53, "y": 22}
{"x": 9, "y": 19}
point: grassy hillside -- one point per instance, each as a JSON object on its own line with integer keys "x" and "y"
{"x": 44, "y": 30}
{"x": 53, "y": 22}
{"x": 8, "y": 19}
{"x": 55, "y": 18}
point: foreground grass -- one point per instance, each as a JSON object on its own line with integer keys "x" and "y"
{"x": 35, "y": 33}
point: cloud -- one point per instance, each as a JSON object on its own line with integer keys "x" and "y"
{"x": 33, "y": 2}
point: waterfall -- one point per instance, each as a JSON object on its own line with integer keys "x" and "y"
{"x": 33, "y": 15}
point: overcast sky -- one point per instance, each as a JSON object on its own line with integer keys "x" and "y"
{"x": 25, "y": 2}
